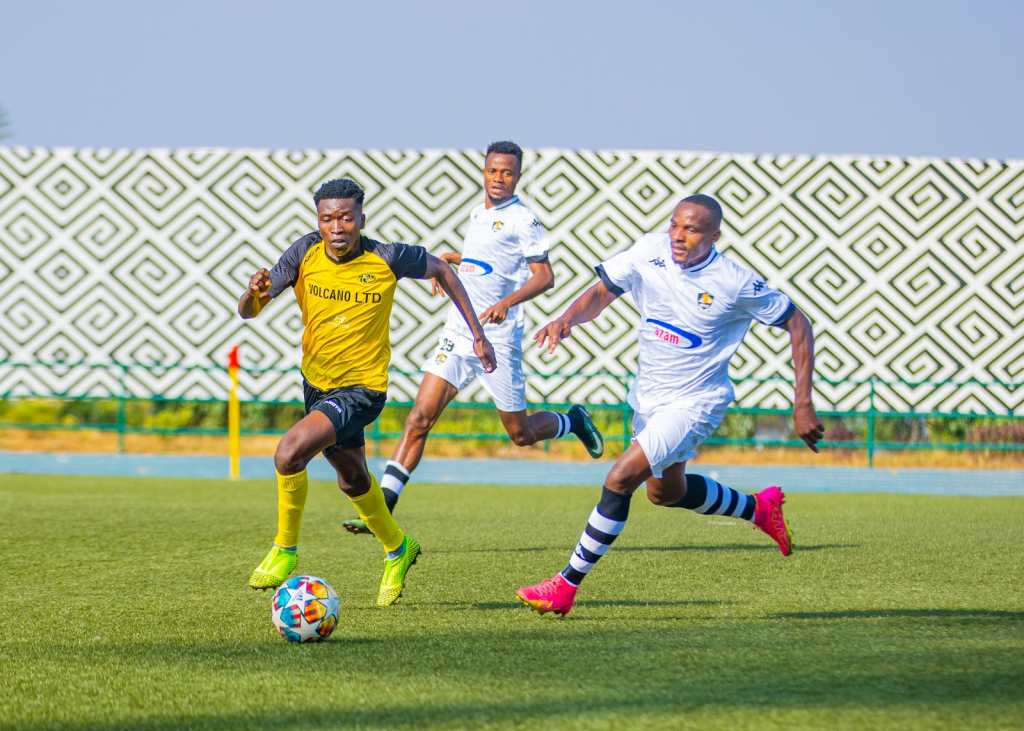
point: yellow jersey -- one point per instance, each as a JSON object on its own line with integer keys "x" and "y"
{"x": 346, "y": 308}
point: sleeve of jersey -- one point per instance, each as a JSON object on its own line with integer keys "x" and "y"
{"x": 617, "y": 272}
{"x": 286, "y": 272}
{"x": 534, "y": 240}
{"x": 763, "y": 303}
{"x": 405, "y": 260}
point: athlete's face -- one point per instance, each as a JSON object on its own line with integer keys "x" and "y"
{"x": 501, "y": 175}
{"x": 692, "y": 231}
{"x": 340, "y": 221}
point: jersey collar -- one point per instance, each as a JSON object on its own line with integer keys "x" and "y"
{"x": 704, "y": 264}
{"x": 506, "y": 204}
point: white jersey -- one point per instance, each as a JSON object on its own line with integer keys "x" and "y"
{"x": 692, "y": 321}
{"x": 500, "y": 244}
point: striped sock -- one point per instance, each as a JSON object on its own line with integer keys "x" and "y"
{"x": 563, "y": 425}
{"x": 707, "y": 497}
{"x": 604, "y": 525}
{"x": 394, "y": 480}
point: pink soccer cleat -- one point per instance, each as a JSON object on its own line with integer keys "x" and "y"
{"x": 551, "y": 595}
{"x": 768, "y": 518}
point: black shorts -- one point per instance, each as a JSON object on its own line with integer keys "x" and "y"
{"x": 350, "y": 409}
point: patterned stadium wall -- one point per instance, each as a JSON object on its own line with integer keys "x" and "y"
{"x": 911, "y": 269}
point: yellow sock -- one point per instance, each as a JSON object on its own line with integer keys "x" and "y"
{"x": 374, "y": 512}
{"x": 291, "y": 500}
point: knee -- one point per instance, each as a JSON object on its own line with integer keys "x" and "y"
{"x": 618, "y": 481}
{"x": 289, "y": 459}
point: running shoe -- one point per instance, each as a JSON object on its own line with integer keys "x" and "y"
{"x": 395, "y": 569}
{"x": 585, "y": 430}
{"x": 769, "y": 519}
{"x": 551, "y": 595}
{"x": 274, "y": 570}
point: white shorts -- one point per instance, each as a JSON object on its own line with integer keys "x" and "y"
{"x": 454, "y": 360}
{"x": 672, "y": 434}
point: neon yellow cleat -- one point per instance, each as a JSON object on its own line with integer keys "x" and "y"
{"x": 395, "y": 569}
{"x": 274, "y": 570}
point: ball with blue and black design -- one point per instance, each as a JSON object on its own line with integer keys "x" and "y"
{"x": 305, "y": 609}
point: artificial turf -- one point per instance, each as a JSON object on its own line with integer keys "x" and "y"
{"x": 123, "y": 605}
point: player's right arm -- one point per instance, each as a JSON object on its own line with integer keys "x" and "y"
{"x": 256, "y": 297}
{"x": 585, "y": 308}
{"x": 265, "y": 286}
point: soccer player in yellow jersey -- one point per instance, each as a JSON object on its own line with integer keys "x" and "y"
{"x": 345, "y": 284}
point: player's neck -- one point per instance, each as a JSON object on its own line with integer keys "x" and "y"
{"x": 691, "y": 264}
{"x": 490, "y": 203}
{"x": 347, "y": 257}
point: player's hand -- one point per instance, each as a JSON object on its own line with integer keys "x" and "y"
{"x": 435, "y": 286}
{"x": 485, "y": 352}
{"x": 554, "y": 333}
{"x": 808, "y": 425}
{"x": 259, "y": 283}
{"x": 496, "y": 313}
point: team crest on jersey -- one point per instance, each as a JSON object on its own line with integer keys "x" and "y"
{"x": 705, "y": 300}
{"x": 367, "y": 278}
{"x": 496, "y": 226}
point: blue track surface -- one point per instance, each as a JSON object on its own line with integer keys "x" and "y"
{"x": 535, "y": 472}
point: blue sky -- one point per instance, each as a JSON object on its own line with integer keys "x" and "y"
{"x": 900, "y": 78}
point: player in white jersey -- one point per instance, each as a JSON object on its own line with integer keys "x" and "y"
{"x": 695, "y": 307}
{"x": 503, "y": 263}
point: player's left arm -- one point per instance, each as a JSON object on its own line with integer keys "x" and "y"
{"x": 805, "y": 418}
{"x": 542, "y": 278}
{"x": 445, "y": 276}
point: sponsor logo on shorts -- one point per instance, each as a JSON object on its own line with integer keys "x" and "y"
{"x": 674, "y": 335}
{"x": 335, "y": 406}
{"x": 475, "y": 268}
{"x": 705, "y": 300}
{"x": 441, "y": 358}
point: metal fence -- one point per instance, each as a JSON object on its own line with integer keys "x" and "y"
{"x": 124, "y": 374}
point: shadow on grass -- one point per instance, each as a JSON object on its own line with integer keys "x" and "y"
{"x": 498, "y": 550}
{"x": 906, "y": 614}
{"x": 798, "y": 548}
{"x": 460, "y": 606}
{"x": 713, "y": 547}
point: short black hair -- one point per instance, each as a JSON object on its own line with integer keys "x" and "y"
{"x": 339, "y": 188}
{"x": 506, "y": 147}
{"x": 709, "y": 204}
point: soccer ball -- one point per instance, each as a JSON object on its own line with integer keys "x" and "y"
{"x": 305, "y": 609}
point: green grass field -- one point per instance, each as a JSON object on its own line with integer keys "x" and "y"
{"x": 123, "y": 605}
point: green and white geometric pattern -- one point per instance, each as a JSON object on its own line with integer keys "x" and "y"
{"x": 911, "y": 269}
